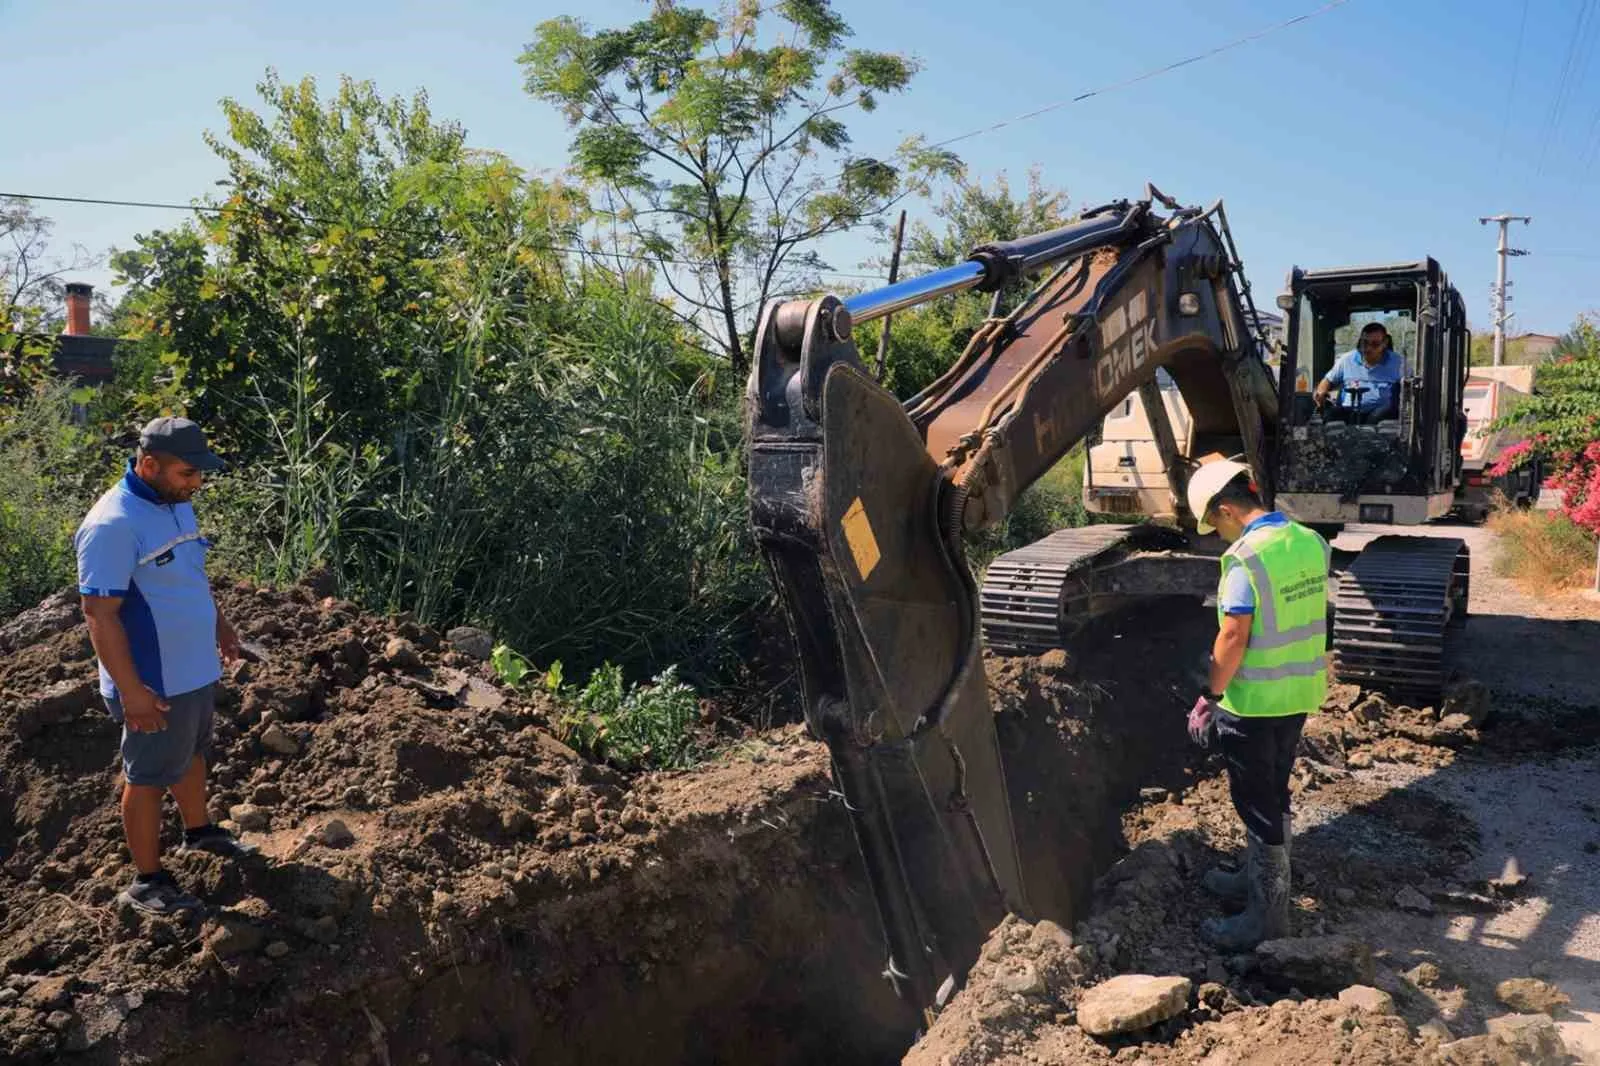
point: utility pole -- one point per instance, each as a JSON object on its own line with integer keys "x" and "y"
{"x": 1498, "y": 294}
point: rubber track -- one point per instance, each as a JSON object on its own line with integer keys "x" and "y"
{"x": 1022, "y": 590}
{"x": 1391, "y": 610}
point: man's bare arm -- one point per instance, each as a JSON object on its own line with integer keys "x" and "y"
{"x": 1228, "y": 651}
{"x": 142, "y": 709}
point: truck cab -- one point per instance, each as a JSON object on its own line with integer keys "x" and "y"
{"x": 1491, "y": 393}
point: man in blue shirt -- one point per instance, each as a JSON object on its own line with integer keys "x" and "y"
{"x": 1374, "y": 367}
{"x": 157, "y": 634}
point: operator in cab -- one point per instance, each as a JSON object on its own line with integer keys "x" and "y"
{"x": 1375, "y": 368}
{"x": 1268, "y": 672}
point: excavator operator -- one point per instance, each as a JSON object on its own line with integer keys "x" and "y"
{"x": 1371, "y": 372}
{"x": 1268, "y": 671}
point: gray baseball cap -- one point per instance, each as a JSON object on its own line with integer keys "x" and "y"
{"x": 182, "y": 439}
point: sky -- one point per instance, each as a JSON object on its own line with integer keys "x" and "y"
{"x": 1377, "y": 131}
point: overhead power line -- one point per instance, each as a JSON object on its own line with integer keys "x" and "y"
{"x": 1511, "y": 89}
{"x": 250, "y": 209}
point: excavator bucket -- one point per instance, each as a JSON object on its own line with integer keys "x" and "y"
{"x": 846, "y": 503}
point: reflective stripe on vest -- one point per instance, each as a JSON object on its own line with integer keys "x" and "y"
{"x": 1285, "y": 662}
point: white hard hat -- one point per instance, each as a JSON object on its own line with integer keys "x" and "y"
{"x": 1206, "y": 482}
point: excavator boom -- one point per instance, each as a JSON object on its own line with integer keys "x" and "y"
{"x": 860, "y": 504}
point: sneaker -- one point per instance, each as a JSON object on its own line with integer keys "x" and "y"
{"x": 158, "y": 895}
{"x": 216, "y": 840}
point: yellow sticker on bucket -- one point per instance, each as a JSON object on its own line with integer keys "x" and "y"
{"x": 858, "y": 534}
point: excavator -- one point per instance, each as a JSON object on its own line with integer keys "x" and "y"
{"x": 860, "y": 504}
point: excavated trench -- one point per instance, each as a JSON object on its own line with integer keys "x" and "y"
{"x": 775, "y": 950}
{"x": 739, "y": 930}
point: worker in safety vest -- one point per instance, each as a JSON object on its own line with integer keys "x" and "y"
{"x": 1268, "y": 671}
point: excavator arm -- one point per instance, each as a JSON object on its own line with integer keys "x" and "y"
{"x": 860, "y": 504}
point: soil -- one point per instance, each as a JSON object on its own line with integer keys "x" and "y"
{"x": 492, "y": 897}
{"x": 488, "y": 895}
{"x": 1412, "y": 826}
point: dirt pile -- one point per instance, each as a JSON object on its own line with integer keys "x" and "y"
{"x": 1362, "y": 849}
{"x": 439, "y": 874}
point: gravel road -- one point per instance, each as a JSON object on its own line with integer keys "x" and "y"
{"x": 1541, "y": 814}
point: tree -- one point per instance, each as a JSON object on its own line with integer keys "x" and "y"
{"x": 31, "y": 296}
{"x": 354, "y": 242}
{"x": 1562, "y": 420}
{"x": 717, "y": 147}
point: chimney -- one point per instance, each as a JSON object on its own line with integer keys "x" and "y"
{"x": 78, "y": 296}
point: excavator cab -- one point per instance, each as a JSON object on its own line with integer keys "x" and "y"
{"x": 1351, "y": 459}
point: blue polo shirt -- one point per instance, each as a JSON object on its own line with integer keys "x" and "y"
{"x": 1238, "y": 595}
{"x": 1382, "y": 382}
{"x": 152, "y": 555}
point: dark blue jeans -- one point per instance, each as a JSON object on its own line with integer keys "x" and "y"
{"x": 1259, "y": 753}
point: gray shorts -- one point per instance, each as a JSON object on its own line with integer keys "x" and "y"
{"x": 161, "y": 759}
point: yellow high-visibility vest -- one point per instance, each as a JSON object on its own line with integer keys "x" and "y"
{"x": 1285, "y": 667}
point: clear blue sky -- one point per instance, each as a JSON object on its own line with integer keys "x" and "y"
{"x": 1373, "y": 132}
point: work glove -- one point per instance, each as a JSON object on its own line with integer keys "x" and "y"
{"x": 1202, "y": 721}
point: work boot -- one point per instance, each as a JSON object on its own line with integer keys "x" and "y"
{"x": 1231, "y": 884}
{"x": 1266, "y": 912}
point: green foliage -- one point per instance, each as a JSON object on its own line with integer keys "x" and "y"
{"x": 717, "y": 148}
{"x": 420, "y": 395}
{"x": 924, "y": 342}
{"x": 50, "y": 475}
{"x": 633, "y": 725}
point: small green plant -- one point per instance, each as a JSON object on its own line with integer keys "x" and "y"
{"x": 629, "y": 725}
{"x": 634, "y": 725}
{"x": 511, "y": 668}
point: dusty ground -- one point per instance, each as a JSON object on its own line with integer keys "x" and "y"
{"x": 494, "y": 898}
{"x": 487, "y": 896}
{"x": 1402, "y": 819}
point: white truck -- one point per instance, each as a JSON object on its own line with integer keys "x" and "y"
{"x": 1491, "y": 392}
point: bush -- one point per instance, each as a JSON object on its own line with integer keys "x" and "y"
{"x": 630, "y": 725}
{"x": 51, "y": 472}
{"x": 1544, "y": 550}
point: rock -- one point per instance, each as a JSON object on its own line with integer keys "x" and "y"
{"x": 277, "y": 949}
{"x": 1023, "y": 980}
{"x": 1534, "y": 1037}
{"x": 1455, "y": 723}
{"x": 249, "y": 817}
{"x": 402, "y": 654}
{"x": 470, "y": 640}
{"x": 234, "y": 936}
{"x": 1470, "y": 699}
{"x": 1153, "y": 795}
{"x": 1342, "y": 697}
{"x": 1434, "y": 1027}
{"x": 1371, "y": 709}
{"x": 277, "y": 740}
{"x": 1409, "y": 899}
{"x": 9, "y": 996}
{"x": 1424, "y": 975}
{"x": 1528, "y": 995}
{"x": 268, "y": 794}
{"x": 49, "y": 993}
{"x": 59, "y": 1020}
{"x": 1048, "y": 933}
{"x": 324, "y": 930}
{"x": 1323, "y": 962}
{"x": 1368, "y": 999}
{"x": 1485, "y": 1050}
{"x": 585, "y": 820}
{"x": 336, "y": 834}
{"x": 1131, "y": 1002}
